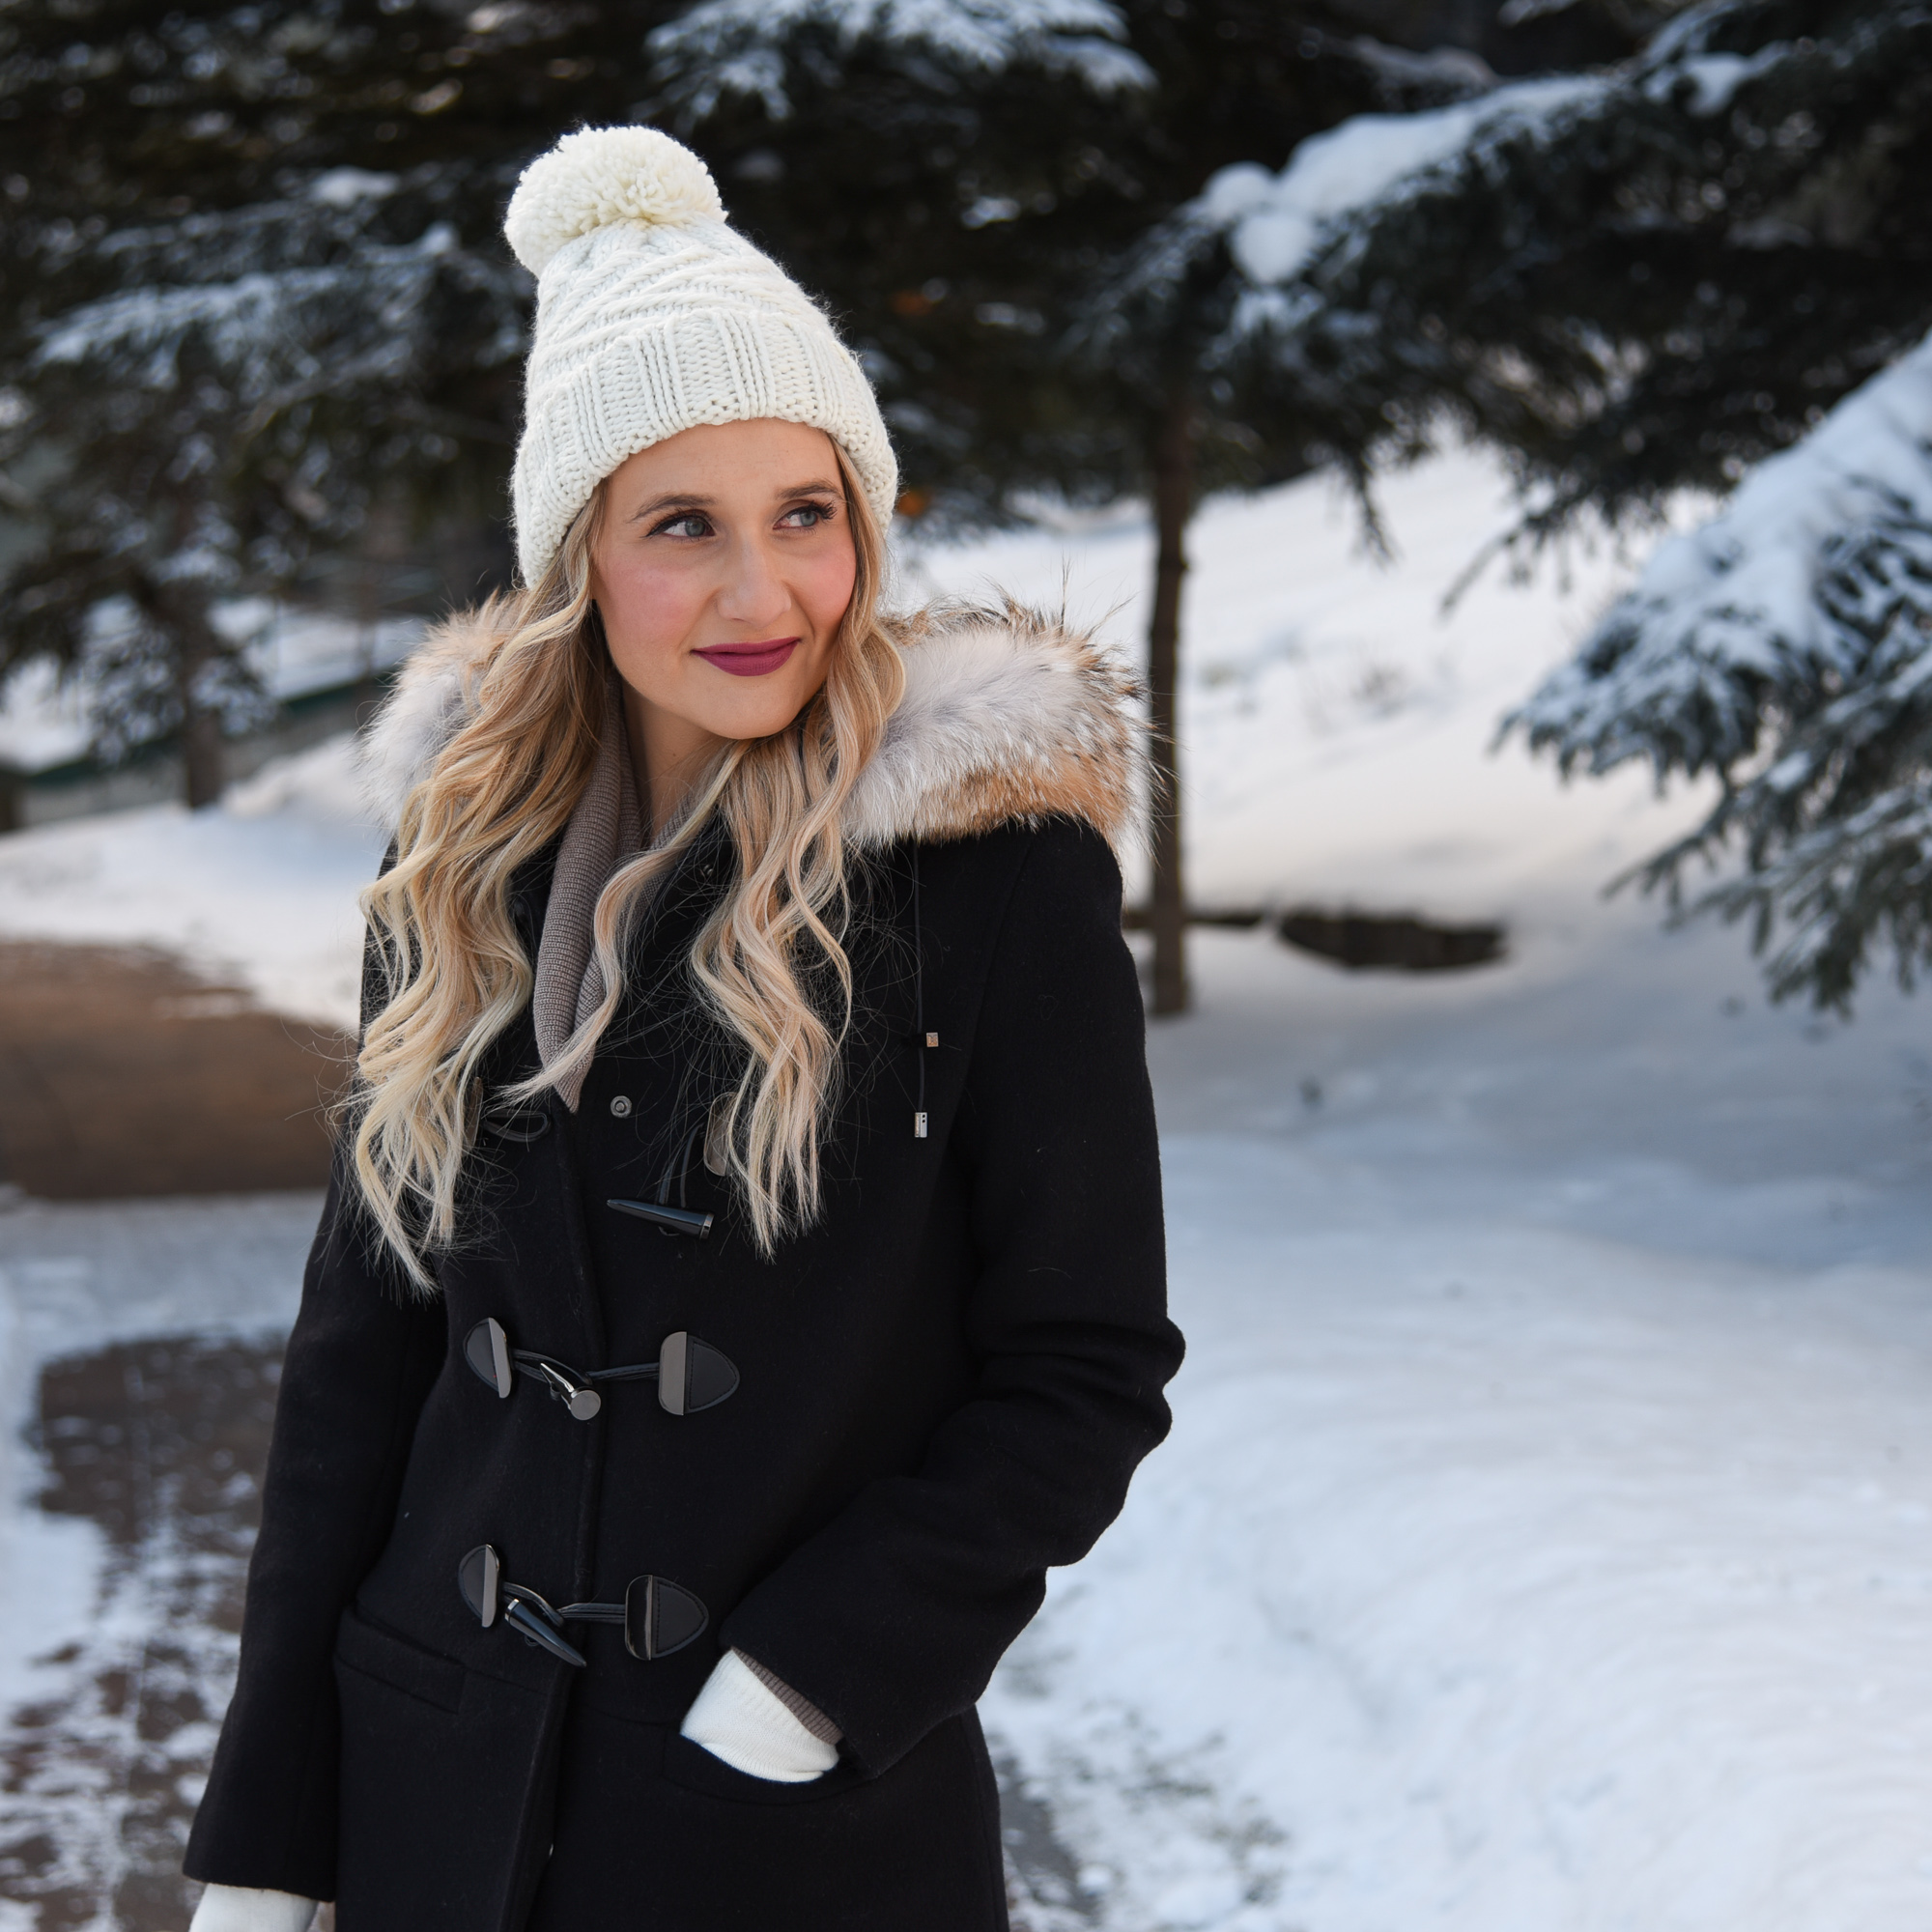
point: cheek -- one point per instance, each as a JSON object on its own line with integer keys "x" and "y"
{"x": 824, "y": 586}
{"x": 646, "y": 614}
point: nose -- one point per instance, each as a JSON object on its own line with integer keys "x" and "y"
{"x": 754, "y": 593}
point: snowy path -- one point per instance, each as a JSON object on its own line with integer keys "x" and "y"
{"x": 1529, "y": 1554}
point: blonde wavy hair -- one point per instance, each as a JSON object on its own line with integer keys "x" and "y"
{"x": 769, "y": 964}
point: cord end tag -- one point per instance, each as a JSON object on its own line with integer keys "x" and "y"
{"x": 918, "y": 1127}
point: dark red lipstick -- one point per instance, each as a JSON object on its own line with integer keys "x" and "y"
{"x": 750, "y": 660}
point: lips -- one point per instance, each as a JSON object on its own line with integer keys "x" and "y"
{"x": 750, "y": 660}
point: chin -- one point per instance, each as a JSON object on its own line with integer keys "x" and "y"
{"x": 767, "y": 714}
{"x": 764, "y": 721}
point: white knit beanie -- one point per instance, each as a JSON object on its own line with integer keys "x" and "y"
{"x": 653, "y": 317}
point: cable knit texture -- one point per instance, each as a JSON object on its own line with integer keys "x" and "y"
{"x": 233, "y": 1908}
{"x": 653, "y": 316}
{"x": 736, "y": 1718}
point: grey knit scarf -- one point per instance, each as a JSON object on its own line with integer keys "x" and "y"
{"x": 605, "y": 831}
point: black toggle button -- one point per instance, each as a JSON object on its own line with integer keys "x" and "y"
{"x": 691, "y": 1374}
{"x": 582, "y": 1402}
{"x": 487, "y": 1351}
{"x": 674, "y": 1220}
{"x": 545, "y": 1636}
{"x": 524, "y": 1124}
{"x": 477, "y": 1577}
{"x": 658, "y": 1616}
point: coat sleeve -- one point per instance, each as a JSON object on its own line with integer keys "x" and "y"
{"x": 359, "y": 1364}
{"x": 891, "y": 1617}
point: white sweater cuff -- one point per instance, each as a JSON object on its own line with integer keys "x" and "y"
{"x": 233, "y": 1908}
{"x": 736, "y": 1718}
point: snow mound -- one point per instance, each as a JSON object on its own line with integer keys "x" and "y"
{"x": 323, "y": 785}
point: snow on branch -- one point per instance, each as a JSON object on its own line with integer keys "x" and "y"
{"x": 1284, "y": 229}
{"x": 1773, "y": 598}
{"x": 1275, "y": 223}
{"x": 1787, "y": 646}
{"x": 355, "y": 319}
{"x": 725, "y": 47}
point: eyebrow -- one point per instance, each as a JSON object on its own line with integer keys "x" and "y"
{"x": 683, "y": 499}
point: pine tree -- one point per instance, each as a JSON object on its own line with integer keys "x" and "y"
{"x": 1787, "y": 648}
{"x": 253, "y": 292}
{"x": 236, "y": 394}
{"x": 1661, "y": 276}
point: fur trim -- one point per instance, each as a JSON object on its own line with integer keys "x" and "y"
{"x": 1009, "y": 716}
{"x": 434, "y": 693}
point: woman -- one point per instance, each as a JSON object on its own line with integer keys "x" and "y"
{"x": 743, "y": 1274}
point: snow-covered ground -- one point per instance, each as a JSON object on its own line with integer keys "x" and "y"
{"x": 259, "y": 892}
{"x": 1544, "y": 1541}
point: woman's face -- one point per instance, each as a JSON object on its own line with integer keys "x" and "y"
{"x": 723, "y": 568}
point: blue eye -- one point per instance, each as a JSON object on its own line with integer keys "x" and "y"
{"x": 687, "y": 524}
{"x": 817, "y": 513}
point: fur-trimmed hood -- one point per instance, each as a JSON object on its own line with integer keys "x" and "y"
{"x": 1009, "y": 715}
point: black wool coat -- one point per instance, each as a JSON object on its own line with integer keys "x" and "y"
{"x": 888, "y": 1432}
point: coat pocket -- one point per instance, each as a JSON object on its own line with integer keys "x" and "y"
{"x": 443, "y": 1789}
{"x": 393, "y": 1660}
{"x": 652, "y": 1829}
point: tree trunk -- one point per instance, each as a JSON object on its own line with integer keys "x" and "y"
{"x": 202, "y": 757}
{"x": 1173, "y": 506}
{"x": 202, "y": 760}
{"x": 195, "y": 645}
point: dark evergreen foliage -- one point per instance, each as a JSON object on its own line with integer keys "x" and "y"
{"x": 253, "y": 294}
{"x": 1836, "y": 827}
{"x": 1647, "y": 293}
{"x": 963, "y": 183}
{"x": 1661, "y": 286}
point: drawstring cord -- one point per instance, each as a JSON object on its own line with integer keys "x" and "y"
{"x": 920, "y": 1039}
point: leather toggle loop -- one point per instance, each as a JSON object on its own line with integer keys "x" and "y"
{"x": 659, "y": 1617}
{"x": 691, "y": 1374}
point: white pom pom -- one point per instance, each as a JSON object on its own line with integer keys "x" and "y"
{"x": 600, "y": 176}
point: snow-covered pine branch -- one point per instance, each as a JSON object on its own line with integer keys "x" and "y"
{"x": 1790, "y": 637}
{"x": 1632, "y": 280}
{"x": 723, "y": 48}
{"x": 364, "y": 320}
{"x": 1312, "y": 214}
{"x": 1276, "y": 223}
{"x": 205, "y": 402}
{"x": 1788, "y": 597}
